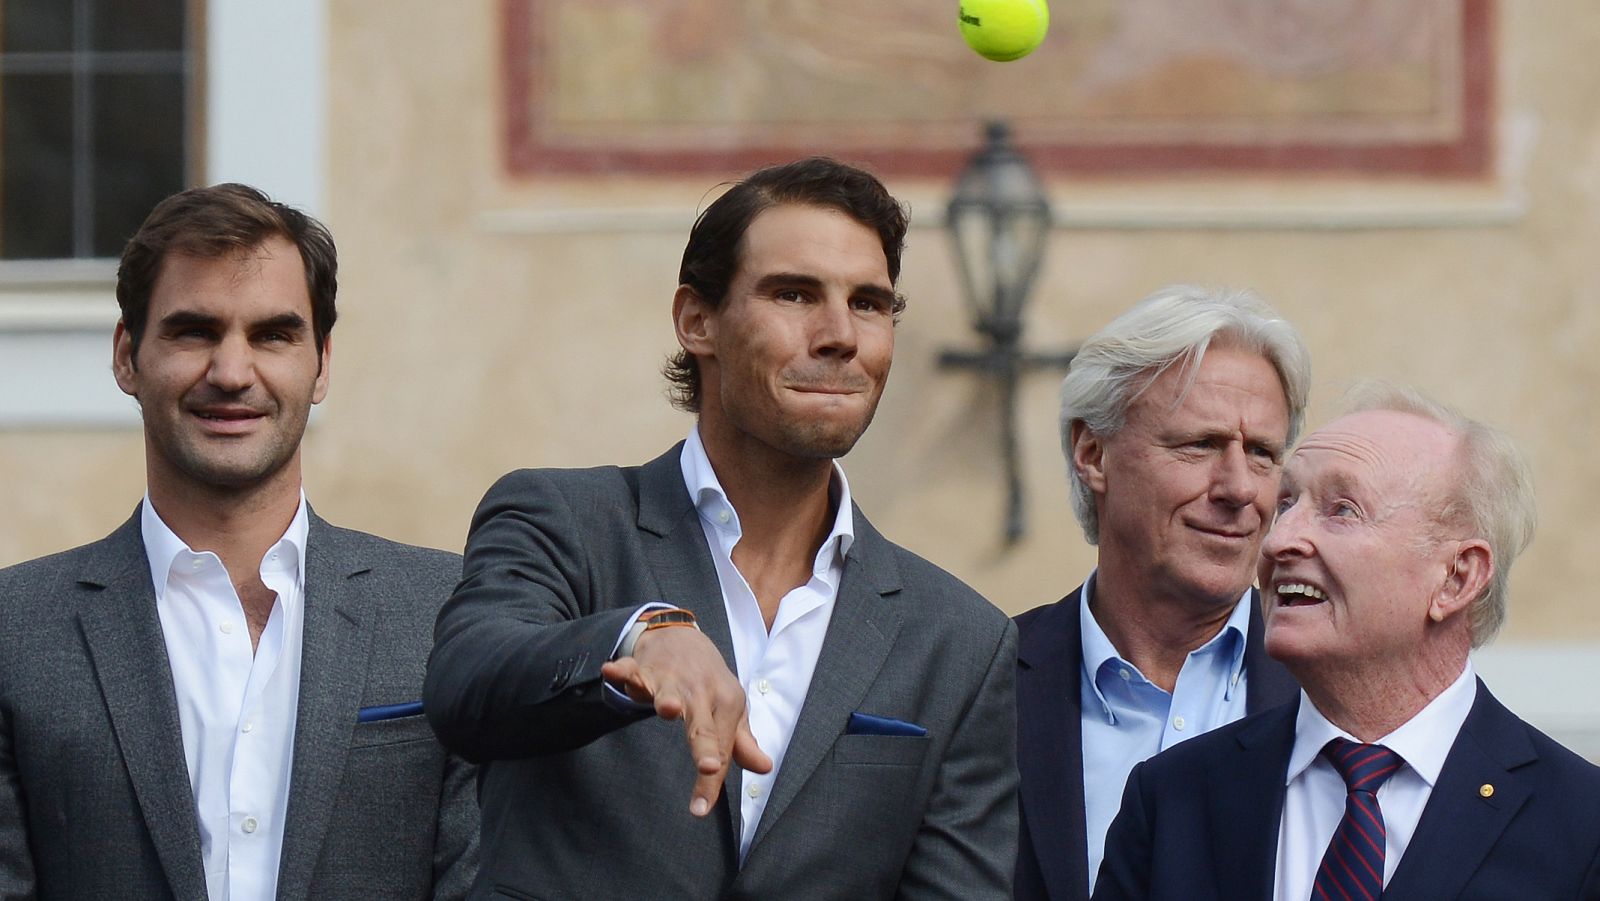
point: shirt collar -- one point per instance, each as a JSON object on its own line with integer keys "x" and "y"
{"x": 1098, "y": 649}
{"x": 712, "y": 503}
{"x": 162, "y": 546}
{"x": 1422, "y": 742}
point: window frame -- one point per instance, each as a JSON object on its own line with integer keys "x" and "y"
{"x": 253, "y": 120}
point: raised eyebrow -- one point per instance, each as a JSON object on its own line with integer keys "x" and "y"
{"x": 777, "y": 280}
{"x": 284, "y": 322}
{"x": 182, "y": 319}
{"x": 1341, "y": 484}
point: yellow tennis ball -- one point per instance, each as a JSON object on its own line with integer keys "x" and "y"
{"x": 1004, "y": 30}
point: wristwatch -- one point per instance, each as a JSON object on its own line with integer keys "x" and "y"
{"x": 654, "y": 619}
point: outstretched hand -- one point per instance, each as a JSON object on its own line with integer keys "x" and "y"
{"x": 681, "y": 672}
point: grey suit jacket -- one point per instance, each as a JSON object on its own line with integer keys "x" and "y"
{"x": 95, "y": 800}
{"x": 582, "y": 800}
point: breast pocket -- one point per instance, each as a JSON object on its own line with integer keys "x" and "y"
{"x": 391, "y": 732}
{"x": 877, "y": 784}
{"x": 880, "y": 750}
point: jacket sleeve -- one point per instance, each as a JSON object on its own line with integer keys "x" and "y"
{"x": 16, "y": 859}
{"x": 515, "y": 668}
{"x": 966, "y": 848}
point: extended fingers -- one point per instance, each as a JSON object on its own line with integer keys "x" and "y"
{"x": 627, "y": 676}
{"x": 747, "y": 751}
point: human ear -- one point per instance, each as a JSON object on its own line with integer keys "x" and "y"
{"x": 122, "y": 365}
{"x": 1470, "y": 569}
{"x": 1088, "y": 457}
{"x": 324, "y": 365}
{"x": 694, "y": 321}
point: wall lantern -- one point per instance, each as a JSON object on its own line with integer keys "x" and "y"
{"x": 999, "y": 219}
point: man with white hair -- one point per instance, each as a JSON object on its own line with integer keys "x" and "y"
{"x": 1174, "y": 419}
{"x": 1396, "y": 773}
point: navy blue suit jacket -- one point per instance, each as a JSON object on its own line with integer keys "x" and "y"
{"x": 1053, "y": 856}
{"x": 1200, "y": 821}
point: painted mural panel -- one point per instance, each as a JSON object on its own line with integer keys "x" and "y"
{"x": 1399, "y": 86}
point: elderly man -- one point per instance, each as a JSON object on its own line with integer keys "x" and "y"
{"x": 1174, "y": 419}
{"x": 864, "y": 694}
{"x": 1397, "y": 772}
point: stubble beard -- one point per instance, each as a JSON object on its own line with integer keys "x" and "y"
{"x": 215, "y": 466}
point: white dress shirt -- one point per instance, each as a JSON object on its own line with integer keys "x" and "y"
{"x": 236, "y": 709}
{"x": 774, "y": 667}
{"x": 1315, "y": 801}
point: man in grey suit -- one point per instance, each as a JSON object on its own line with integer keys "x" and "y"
{"x": 219, "y": 700}
{"x": 846, "y": 706}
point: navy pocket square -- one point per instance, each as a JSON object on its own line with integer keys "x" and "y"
{"x": 388, "y": 712}
{"x": 867, "y": 724}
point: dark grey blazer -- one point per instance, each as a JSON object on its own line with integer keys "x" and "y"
{"x": 1053, "y": 858}
{"x": 583, "y": 801}
{"x": 95, "y": 800}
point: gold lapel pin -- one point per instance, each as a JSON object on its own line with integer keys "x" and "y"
{"x": 1486, "y": 790}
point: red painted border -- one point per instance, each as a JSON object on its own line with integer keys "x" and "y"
{"x": 1470, "y": 155}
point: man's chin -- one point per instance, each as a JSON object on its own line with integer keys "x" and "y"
{"x": 824, "y": 438}
{"x": 1219, "y": 585}
{"x": 229, "y": 472}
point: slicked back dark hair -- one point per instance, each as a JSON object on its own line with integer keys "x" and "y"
{"x": 215, "y": 222}
{"x": 716, "y": 243}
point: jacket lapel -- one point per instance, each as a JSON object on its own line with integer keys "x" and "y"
{"x": 1050, "y": 743}
{"x": 1268, "y": 682}
{"x": 335, "y": 645}
{"x": 675, "y": 547}
{"x": 1245, "y": 800}
{"x": 1459, "y": 825}
{"x": 860, "y": 633}
{"x": 123, "y": 633}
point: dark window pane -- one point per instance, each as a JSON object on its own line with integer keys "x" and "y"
{"x": 36, "y": 25}
{"x": 36, "y": 166}
{"x": 142, "y": 25}
{"x": 138, "y": 152}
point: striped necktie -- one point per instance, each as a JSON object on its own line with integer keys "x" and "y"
{"x": 1352, "y": 867}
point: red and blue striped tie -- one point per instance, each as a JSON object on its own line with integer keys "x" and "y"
{"x": 1352, "y": 867}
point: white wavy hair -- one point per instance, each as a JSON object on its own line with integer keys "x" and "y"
{"x": 1173, "y": 326}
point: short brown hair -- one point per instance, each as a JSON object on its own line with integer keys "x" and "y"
{"x": 716, "y": 242}
{"x": 216, "y": 221}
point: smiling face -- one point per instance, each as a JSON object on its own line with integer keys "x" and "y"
{"x": 1185, "y": 488}
{"x": 795, "y": 358}
{"x": 226, "y": 371}
{"x": 1357, "y": 570}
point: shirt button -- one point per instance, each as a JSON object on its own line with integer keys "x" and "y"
{"x": 754, "y": 790}
{"x": 226, "y": 627}
{"x": 1177, "y": 723}
{"x": 249, "y": 725}
{"x": 723, "y": 516}
{"x": 196, "y": 564}
{"x": 1125, "y": 674}
{"x": 763, "y": 686}
{"x": 249, "y": 825}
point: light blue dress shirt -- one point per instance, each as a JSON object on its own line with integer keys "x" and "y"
{"x": 1127, "y": 718}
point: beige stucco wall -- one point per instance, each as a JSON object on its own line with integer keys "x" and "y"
{"x": 475, "y": 337}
